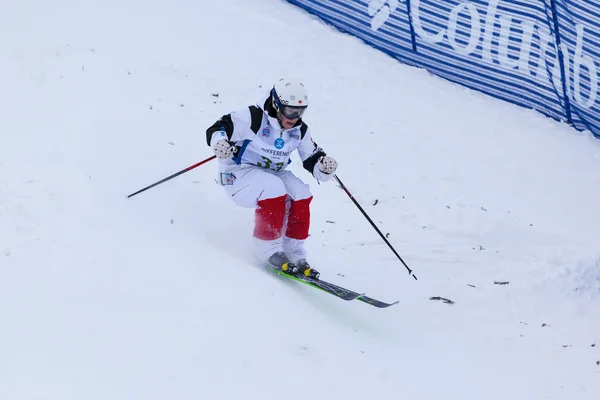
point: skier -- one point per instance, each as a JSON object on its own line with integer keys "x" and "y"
{"x": 253, "y": 146}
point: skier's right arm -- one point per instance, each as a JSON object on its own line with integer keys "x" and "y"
{"x": 223, "y": 135}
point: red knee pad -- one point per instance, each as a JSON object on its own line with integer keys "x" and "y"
{"x": 299, "y": 219}
{"x": 270, "y": 214}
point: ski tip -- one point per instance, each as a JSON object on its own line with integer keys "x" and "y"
{"x": 376, "y": 303}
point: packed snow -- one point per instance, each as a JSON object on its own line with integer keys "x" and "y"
{"x": 494, "y": 208}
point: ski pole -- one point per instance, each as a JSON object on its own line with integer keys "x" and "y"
{"x": 373, "y": 225}
{"x": 191, "y": 167}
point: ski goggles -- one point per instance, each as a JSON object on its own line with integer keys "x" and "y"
{"x": 291, "y": 112}
{"x": 288, "y": 111}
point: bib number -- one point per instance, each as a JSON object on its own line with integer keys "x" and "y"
{"x": 267, "y": 164}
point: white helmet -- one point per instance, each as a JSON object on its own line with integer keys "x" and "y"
{"x": 290, "y": 98}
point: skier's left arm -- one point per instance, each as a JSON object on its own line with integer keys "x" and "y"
{"x": 314, "y": 159}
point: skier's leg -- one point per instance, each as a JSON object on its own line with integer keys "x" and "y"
{"x": 259, "y": 189}
{"x": 298, "y": 216}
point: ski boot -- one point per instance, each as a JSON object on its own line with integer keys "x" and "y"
{"x": 278, "y": 260}
{"x": 302, "y": 267}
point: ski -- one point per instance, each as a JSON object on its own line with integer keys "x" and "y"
{"x": 333, "y": 289}
{"x": 327, "y": 287}
{"x": 376, "y": 303}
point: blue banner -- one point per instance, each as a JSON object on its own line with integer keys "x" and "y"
{"x": 504, "y": 48}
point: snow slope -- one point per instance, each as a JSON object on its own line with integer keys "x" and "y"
{"x": 153, "y": 297}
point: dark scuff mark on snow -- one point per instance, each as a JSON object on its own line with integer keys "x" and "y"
{"x": 445, "y": 300}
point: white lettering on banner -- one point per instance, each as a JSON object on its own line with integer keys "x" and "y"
{"x": 381, "y": 11}
{"x": 528, "y": 29}
{"x": 416, "y": 18}
{"x": 545, "y": 40}
{"x": 589, "y": 63}
{"x": 503, "y": 59}
{"x": 475, "y": 31}
{"x": 489, "y": 27}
